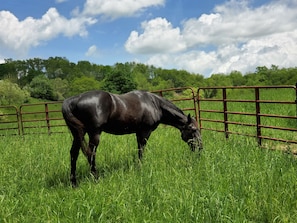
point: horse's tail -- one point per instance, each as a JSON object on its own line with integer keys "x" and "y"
{"x": 75, "y": 125}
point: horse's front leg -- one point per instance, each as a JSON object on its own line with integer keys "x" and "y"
{"x": 93, "y": 144}
{"x": 73, "y": 158}
{"x": 140, "y": 150}
{"x": 142, "y": 138}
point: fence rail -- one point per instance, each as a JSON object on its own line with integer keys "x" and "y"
{"x": 221, "y": 114}
{"x": 205, "y": 115}
{"x": 9, "y": 120}
{"x": 41, "y": 117}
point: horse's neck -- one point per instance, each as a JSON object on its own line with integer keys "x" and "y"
{"x": 173, "y": 117}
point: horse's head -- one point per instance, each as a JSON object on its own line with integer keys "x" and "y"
{"x": 190, "y": 134}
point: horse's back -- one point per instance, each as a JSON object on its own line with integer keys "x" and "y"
{"x": 113, "y": 113}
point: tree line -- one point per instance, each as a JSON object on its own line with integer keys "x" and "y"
{"x": 56, "y": 78}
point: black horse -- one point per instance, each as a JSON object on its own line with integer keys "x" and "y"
{"x": 137, "y": 112}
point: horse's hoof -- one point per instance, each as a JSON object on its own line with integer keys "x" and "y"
{"x": 73, "y": 182}
{"x": 95, "y": 174}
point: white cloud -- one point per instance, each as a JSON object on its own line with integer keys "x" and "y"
{"x": 193, "y": 61}
{"x": 92, "y": 51}
{"x": 158, "y": 36}
{"x": 118, "y": 8}
{"x": 235, "y": 36}
{"x": 235, "y": 21}
{"x": 20, "y": 36}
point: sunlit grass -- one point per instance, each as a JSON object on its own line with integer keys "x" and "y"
{"x": 230, "y": 181}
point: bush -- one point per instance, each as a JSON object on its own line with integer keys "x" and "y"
{"x": 12, "y": 94}
{"x": 41, "y": 88}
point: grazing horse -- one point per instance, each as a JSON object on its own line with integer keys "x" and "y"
{"x": 137, "y": 112}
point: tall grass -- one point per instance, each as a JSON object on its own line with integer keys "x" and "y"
{"x": 230, "y": 181}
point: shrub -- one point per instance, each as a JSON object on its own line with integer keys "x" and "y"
{"x": 12, "y": 94}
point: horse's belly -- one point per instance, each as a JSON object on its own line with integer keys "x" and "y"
{"x": 120, "y": 128}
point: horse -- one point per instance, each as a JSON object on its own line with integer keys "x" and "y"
{"x": 138, "y": 112}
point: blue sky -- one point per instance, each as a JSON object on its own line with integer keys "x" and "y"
{"x": 204, "y": 37}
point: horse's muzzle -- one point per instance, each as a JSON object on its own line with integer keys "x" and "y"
{"x": 195, "y": 144}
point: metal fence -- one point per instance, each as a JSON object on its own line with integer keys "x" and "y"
{"x": 9, "y": 120}
{"x": 268, "y": 114}
{"x": 41, "y": 118}
{"x": 223, "y": 113}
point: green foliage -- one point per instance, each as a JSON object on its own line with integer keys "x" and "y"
{"x": 119, "y": 81}
{"x": 236, "y": 78}
{"x": 12, "y": 94}
{"x": 159, "y": 83}
{"x": 188, "y": 93}
{"x": 60, "y": 87}
{"x": 82, "y": 84}
{"x": 141, "y": 82}
{"x": 40, "y": 87}
{"x": 123, "y": 77}
{"x": 57, "y": 67}
{"x": 8, "y": 70}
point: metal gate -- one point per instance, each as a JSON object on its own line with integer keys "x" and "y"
{"x": 264, "y": 119}
{"x": 9, "y": 120}
{"x": 41, "y": 118}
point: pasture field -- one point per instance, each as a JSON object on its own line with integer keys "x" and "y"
{"x": 230, "y": 181}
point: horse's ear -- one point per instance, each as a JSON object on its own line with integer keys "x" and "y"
{"x": 189, "y": 119}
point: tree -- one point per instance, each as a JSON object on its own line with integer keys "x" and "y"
{"x": 12, "y": 94}
{"x": 291, "y": 76}
{"x": 158, "y": 83}
{"x": 60, "y": 87}
{"x": 119, "y": 81}
{"x": 141, "y": 82}
{"x": 8, "y": 70}
{"x": 40, "y": 87}
{"x": 57, "y": 67}
{"x": 236, "y": 78}
{"x": 82, "y": 84}
{"x": 215, "y": 80}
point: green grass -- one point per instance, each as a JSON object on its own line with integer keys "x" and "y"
{"x": 230, "y": 181}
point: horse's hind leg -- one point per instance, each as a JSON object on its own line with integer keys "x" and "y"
{"x": 73, "y": 156}
{"x": 93, "y": 144}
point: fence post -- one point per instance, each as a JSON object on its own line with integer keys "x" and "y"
{"x": 47, "y": 119}
{"x": 18, "y": 120}
{"x": 258, "y": 117}
{"x": 296, "y": 98}
{"x": 198, "y": 107}
{"x": 194, "y": 98}
{"x": 225, "y": 113}
{"x": 21, "y": 119}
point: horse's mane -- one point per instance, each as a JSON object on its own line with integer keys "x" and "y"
{"x": 168, "y": 106}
